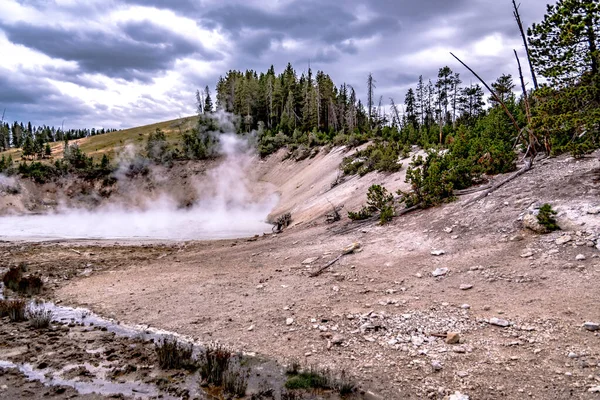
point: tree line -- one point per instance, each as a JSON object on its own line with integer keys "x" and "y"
{"x": 34, "y": 140}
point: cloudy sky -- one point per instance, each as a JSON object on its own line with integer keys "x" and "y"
{"x": 123, "y": 63}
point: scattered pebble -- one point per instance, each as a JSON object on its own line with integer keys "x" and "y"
{"x": 289, "y": 321}
{"x": 452, "y": 338}
{"x": 466, "y": 287}
{"x": 499, "y": 322}
{"x": 438, "y": 253}
{"x": 440, "y": 272}
{"x": 580, "y": 257}
{"x": 563, "y": 240}
{"x": 591, "y": 326}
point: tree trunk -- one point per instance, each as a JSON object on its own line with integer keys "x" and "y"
{"x": 592, "y": 45}
{"x": 520, "y": 23}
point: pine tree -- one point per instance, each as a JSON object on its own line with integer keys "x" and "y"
{"x": 370, "y": 93}
{"x": 410, "y": 108}
{"x": 564, "y": 46}
{"x": 503, "y": 87}
{"x": 208, "y": 104}
{"x": 28, "y": 147}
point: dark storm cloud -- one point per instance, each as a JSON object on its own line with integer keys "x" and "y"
{"x": 34, "y": 99}
{"x": 142, "y": 50}
{"x": 16, "y": 89}
{"x": 347, "y": 39}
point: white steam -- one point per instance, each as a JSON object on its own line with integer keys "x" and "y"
{"x": 226, "y": 209}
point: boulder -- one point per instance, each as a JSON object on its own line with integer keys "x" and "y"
{"x": 530, "y": 222}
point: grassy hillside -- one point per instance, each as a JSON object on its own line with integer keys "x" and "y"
{"x": 108, "y": 143}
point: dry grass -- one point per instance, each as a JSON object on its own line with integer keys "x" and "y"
{"x": 214, "y": 364}
{"x": 173, "y": 355}
{"x": 39, "y": 316}
{"x": 15, "y": 310}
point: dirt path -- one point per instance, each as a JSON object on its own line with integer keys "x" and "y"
{"x": 375, "y": 313}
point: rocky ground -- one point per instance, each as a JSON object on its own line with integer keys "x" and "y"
{"x": 453, "y": 299}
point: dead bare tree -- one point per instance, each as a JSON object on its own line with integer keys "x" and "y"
{"x": 532, "y": 139}
{"x": 520, "y": 24}
{"x": 395, "y": 110}
{"x": 528, "y": 164}
{"x": 498, "y": 99}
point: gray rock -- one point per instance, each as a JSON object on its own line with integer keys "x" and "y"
{"x": 337, "y": 339}
{"x": 289, "y": 321}
{"x": 594, "y": 389}
{"x": 530, "y": 222}
{"x": 417, "y": 340}
{"x": 591, "y": 326}
{"x": 458, "y": 396}
{"x": 436, "y": 365}
{"x": 563, "y": 240}
{"x": 310, "y": 260}
{"x": 499, "y": 322}
{"x": 527, "y": 254}
{"x": 580, "y": 257}
{"x": 466, "y": 287}
{"x": 452, "y": 338}
{"x": 438, "y": 253}
{"x": 466, "y": 306}
{"x": 440, "y": 272}
{"x": 594, "y": 211}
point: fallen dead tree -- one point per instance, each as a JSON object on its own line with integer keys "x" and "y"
{"x": 348, "y": 250}
{"x": 498, "y": 185}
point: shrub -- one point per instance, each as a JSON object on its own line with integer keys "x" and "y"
{"x": 157, "y": 148}
{"x": 546, "y": 218}
{"x": 360, "y": 215}
{"x": 430, "y": 179}
{"x": 213, "y": 364}
{"x": 235, "y": 382}
{"x": 381, "y": 157}
{"x": 309, "y": 379}
{"x": 172, "y": 354}
{"x": 12, "y": 278}
{"x": 379, "y": 200}
{"x": 30, "y": 285}
{"x": 281, "y": 222}
{"x": 39, "y": 316}
{"x": 14, "y": 309}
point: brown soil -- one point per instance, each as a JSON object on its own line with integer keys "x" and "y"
{"x": 383, "y": 301}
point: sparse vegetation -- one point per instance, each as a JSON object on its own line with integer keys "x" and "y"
{"x": 39, "y": 316}
{"x": 312, "y": 378}
{"x": 173, "y": 354}
{"x": 546, "y": 218}
{"x": 14, "y": 280}
{"x": 282, "y": 222}
{"x": 12, "y": 277}
{"x": 379, "y": 200}
{"x": 235, "y": 382}
{"x": 381, "y": 157}
{"x": 265, "y": 391}
{"x": 14, "y": 309}
{"x": 214, "y": 363}
{"x": 344, "y": 385}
